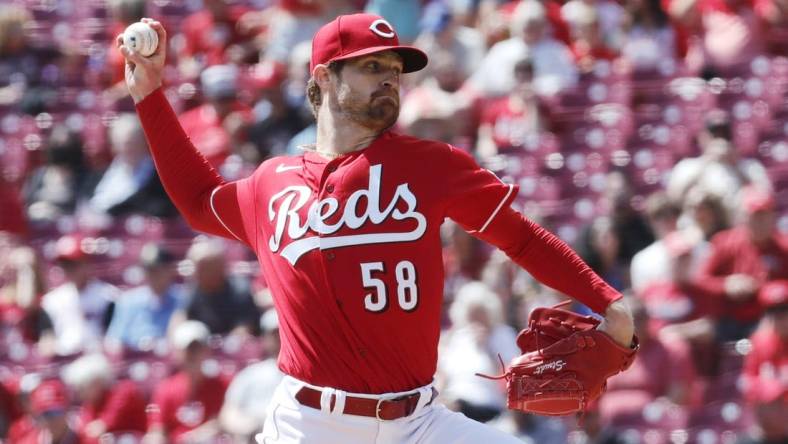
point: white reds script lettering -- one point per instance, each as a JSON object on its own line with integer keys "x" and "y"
{"x": 283, "y": 212}
{"x": 555, "y": 365}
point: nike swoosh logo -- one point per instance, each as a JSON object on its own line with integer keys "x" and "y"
{"x": 281, "y": 168}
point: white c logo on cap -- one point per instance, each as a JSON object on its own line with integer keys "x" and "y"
{"x": 375, "y": 27}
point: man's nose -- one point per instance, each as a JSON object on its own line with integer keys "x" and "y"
{"x": 391, "y": 80}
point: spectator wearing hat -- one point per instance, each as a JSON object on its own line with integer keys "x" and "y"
{"x": 719, "y": 170}
{"x": 741, "y": 260}
{"x": 80, "y": 308}
{"x": 589, "y": 42}
{"x": 767, "y": 362}
{"x": 142, "y": 315}
{"x": 221, "y": 302}
{"x": 554, "y": 67}
{"x": 185, "y": 405}
{"x": 106, "y": 404}
{"x": 49, "y": 405}
{"x": 250, "y": 391}
{"x": 219, "y": 124}
{"x": 130, "y": 184}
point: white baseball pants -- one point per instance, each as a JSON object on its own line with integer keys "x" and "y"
{"x": 289, "y": 422}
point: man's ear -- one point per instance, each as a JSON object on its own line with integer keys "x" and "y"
{"x": 322, "y": 76}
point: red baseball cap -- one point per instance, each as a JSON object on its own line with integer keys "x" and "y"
{"x": 48, "y": 396}
{"x": 69, "y": 248}
{"x": 355, "y": 35}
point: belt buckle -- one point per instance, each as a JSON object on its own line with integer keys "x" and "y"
{"x": 378, "y": 408}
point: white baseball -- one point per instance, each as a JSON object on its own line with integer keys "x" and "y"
{"x": 142, "y": 38}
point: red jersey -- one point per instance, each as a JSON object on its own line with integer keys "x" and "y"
{"x": 351, "y": 247}
{"x": 733, "y": 252}
{"x": 767, "y": 362}
{"x": 122, "y": 409}
{"x": 178, "y": 406}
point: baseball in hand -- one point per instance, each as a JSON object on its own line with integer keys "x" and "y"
{"x": 142, "y": 38}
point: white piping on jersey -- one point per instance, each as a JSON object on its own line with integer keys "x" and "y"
{"x": 497, "y": 209}
{"x": 293, "y": 198}
{"x": 215, "y": 213}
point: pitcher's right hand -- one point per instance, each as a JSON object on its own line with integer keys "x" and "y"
{"x": 143, "y": 74}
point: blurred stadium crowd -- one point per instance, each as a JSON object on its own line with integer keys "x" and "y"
{"x": 652, "y": 135}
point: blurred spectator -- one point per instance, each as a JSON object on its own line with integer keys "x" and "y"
{"x": 650, "y": 39}
{"x": 652, "y": 264}
{"x": 51, "y": 191}
{"x": 23, "y": 83}
{"x": 106, "y": 405}
{"x": 743, "y": 259}
{"x": 662, "y": 373}
{"x": 80, "y": 308}
{"x": 600, "y": 247}
{"x": 48, "y": 407}
{"x": 730, "y": 32}
{"x": 432, "y": 110}
{"x": 530, "y": 428}
{"x": 142, "y": 315}
{"x": 185, "y": 405}
{"x": 130, "y": 183}
{"x": 219, "y": 124}
{"x": 215, "y": 35}
{"x": 588, "y": 43}
{"x": 21, "y": 315}
{"x": 441, "y": 31}
{"x": 719, "y": 170}
{"x": 9, "y": 409}
{"x": 629, "y": 224}
{"x": 477, "y": 336}
{"x": 275, "y": 118}
{"x": 222, "y": 303}
{"x": 705, "y": 215}
{"x": 122, "y": 14}
{"x": 554, "y": 68}
{"x": 292, "y": 22}
{"x": 608, "y": 15}
{"x": 767, "y": 362}
{"x": 250, "y": 391}
{"x": 509, "y": 122}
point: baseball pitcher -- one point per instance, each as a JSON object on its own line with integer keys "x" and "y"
{"x": 347, "y": 236}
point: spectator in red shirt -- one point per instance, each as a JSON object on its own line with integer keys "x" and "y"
{"x": 731, "y": 32}
{"x": 106, "y": 405}
{"x": 215, "y": 35}
{"x": 588, "y": 45}
{"x": 186, "y": 405}
{"x": 741, "y": 260}
{"x": 220, "y": 123}
{"x": 767, "y": 362}
{"x": 48, "y": 406}
{"x": 509, "y": 122}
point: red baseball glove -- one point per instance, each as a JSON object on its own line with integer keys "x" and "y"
{"x": 565, "y": 363}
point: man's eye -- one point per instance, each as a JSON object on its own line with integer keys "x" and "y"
{"x": 373, "y": 66}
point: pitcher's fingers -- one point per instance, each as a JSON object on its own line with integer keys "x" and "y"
{"x": 119, "y": 40}
{"x": 159, "y": 28}
{"x": 135, "y": 57}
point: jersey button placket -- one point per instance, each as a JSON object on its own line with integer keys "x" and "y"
{"x": 329, "y": 188}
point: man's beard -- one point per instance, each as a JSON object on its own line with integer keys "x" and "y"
{"x": 378, "y": 113}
